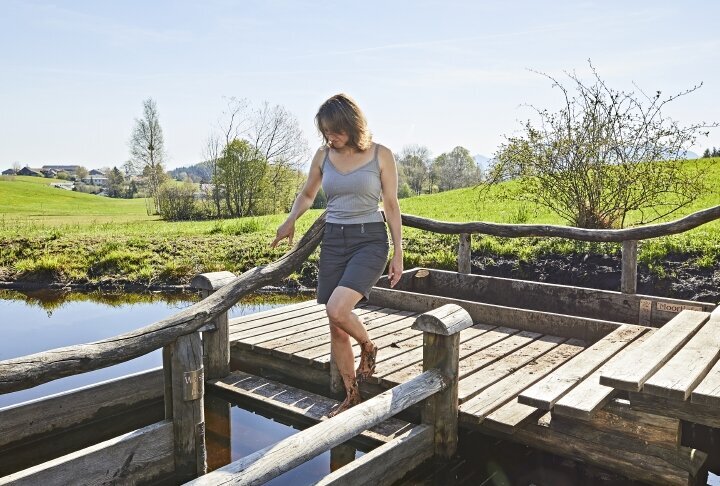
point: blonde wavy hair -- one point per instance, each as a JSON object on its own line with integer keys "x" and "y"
{"x": 341, "y": 114}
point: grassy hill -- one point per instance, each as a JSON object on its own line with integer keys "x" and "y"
{"x": 33, "y": 199}
{"x": 52, "y": 234}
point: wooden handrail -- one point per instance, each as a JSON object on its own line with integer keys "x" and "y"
{"x": 35, "y": 369}
{"x": 519, "y": 230}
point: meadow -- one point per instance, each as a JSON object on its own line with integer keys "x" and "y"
{"x": 49, "y": 234}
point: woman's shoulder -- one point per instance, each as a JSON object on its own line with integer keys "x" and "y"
{"x": 384, "y": 154}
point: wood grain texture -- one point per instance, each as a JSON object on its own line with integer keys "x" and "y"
{"x": 545, "y": 393}
{"x": 628, "y": 278}
{"x": 708, "y": 391}
{"x": 464, "y": 253}
{"x": 386, "y": 464}
{"x": 273, "y": 460}
{"x": 140, "y": 456}
{"x": 681, "y": 374}
{"x": 634, "y": 368}
{"x": 446, "y": 320}
{"x": 684, "y": 410}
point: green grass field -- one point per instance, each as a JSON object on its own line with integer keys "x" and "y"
{"x": 48, "y": 233}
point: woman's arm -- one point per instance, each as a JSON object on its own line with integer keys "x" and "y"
{"x": 389, "y": 182}
{"x": 303, "y": 201}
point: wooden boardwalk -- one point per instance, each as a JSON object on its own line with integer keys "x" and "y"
{"x": 539, "y": 389}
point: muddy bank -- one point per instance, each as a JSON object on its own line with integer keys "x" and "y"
{"x": 676, "y": 277}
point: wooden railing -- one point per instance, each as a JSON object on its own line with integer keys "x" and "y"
{"x": 185, "y": 371}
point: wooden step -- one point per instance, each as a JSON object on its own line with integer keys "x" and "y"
{"x": 296, "y": 403}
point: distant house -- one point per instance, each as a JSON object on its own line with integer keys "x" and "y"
{"x": 49, "y": 172}
{"x": 95, "y": 180}
{"x": 70, "y": 169}
{"x": 95, "y": 172}
{"x": 8, "y": 172}
{"x": 27, "y": 171}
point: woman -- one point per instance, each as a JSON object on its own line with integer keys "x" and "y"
{"x": 354, "y": 173}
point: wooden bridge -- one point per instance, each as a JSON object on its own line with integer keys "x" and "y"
{"x": 598, "y": 376}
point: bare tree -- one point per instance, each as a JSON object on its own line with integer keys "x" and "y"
{"x": 147, "y": 148}
{"x": 16, "y": 166}
{"x": 211, "y": 154}
{"x": 605, "y": 153}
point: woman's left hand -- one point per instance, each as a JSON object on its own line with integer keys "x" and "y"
{"x": 395, "y": 269}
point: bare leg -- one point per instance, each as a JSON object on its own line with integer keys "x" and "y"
{"x": 343, "y": 324}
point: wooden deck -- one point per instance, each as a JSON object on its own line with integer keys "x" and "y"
{"x": 510, "y": 379}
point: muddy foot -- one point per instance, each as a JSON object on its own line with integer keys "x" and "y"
{"x": 350, "y": 401}
{"x": 368, "y": 356}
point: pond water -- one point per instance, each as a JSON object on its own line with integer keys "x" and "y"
{"x": 35, "y": 322}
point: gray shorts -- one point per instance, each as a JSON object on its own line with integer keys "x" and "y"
{"x": 353, "y": 256}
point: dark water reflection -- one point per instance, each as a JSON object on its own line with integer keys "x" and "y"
{"x": 39, "y": 321}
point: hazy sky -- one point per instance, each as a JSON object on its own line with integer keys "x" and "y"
{"x": 73, "y": 74}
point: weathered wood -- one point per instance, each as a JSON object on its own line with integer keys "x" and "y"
{"x": 473, "y": 382}
{"x": 618, "y": 417}
{"x": 216, "y": 344}
{"x": 386, "y": 464}
{"x": 32, "y": 370}
{"x": 274, "y": 460}
{"x": 489, "y": 399}
{"x": 295, "y": 403}
{"x": 553, "y": 387}
{"x": 589, "y": 395}
{"x": 211, "y": 281}
{"x": 473, "y": 358}
{"x": 684, "y": 410}
{"x": 628, "y": 279}
{"x": 305, "y": 306}
{"x": 543, "y": 322}
{"x": 560, "y": 299}
{"x": 144, "y": 455}
{"x": 464, "y": 253}
{"x": 440, "y": 410}
{"x": 708, "y": 391}
{"x": 188, "y": 413}
{"x": 686, "y": 459}
{"x": 280, "y": 320}
{"x": 681, "y": 374}
{"x": 632, "y": 370}
{"x": 167, "y": 380}
{"x": 518, "y": 230}
{"x": 643, "y": 467}
{"x": 55, "y": 413}
{"x": 507, "y": 419}
{"x": 445, "y": 321}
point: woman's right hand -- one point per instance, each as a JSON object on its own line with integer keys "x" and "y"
{"x": 285, "y": 230}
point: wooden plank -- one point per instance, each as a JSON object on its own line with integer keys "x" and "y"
{"x": 546, "y": 297}
{"x": 628, "y": 276}
{"x": 708, "y": 391}
{"x": 298, "y": 332}
{"x": 278, "y": 458}
{"x": 476, "y": 358}
{"x": 553, "y": 387}
{"x": 682, "y": 373}
{"x": 542, "y": 322}
{"x": 506, "y": 419}
{"x": 446, "y": 320}
{"x": 631, "y": 372}
{"x": 296, "y": 403}
{"x": 284, "y": 323}
{"x": 684, "y": 410}
{"x": 634, "y": 465}
{"x": 385, "y": 465}
{"x": 472, "y": 384}
{"x": 144, "y": 455}
{"x": 471, "y": 340}
{"x": 308, "y": 306}
{"x": 56, "y": 413}
{"x": 618, "y": 417}
{"x": 307, "y": 349}
{"x": 495, "y": 396}
{"x": 464, "y": 253}
{"x": 589, "y": 395}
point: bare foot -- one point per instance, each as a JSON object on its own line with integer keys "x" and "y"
{"x": 353, "y": 398}
{"x": 366, "y": 368}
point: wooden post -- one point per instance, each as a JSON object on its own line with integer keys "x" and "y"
{"x": 441, "y": 349}
{"x": 188, "y": 386}
{"x": 464, "y": 253}
{"x": 167, "y": 378}
{"x": 216, "y": 342}
{"x": 628, "y": 281}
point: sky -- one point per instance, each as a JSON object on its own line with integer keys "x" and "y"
{"x": 74, "y": 74}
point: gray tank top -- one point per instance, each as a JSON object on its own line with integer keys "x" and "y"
{"x": 352, "y": 197}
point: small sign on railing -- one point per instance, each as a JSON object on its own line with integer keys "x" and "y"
{"x": 193, "y": 385}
